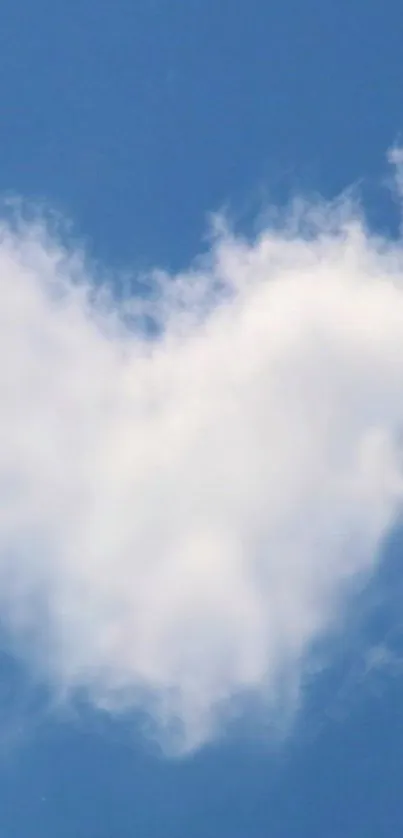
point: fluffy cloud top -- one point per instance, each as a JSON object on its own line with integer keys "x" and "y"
{"x": 182, "y": 513}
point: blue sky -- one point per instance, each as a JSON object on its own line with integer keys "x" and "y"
{"x": 135, "y": 121}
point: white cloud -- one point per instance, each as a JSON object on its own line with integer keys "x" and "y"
{"x": 181, "y": 518}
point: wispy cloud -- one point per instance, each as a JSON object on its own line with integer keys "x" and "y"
{"x": 182, "y": 516}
